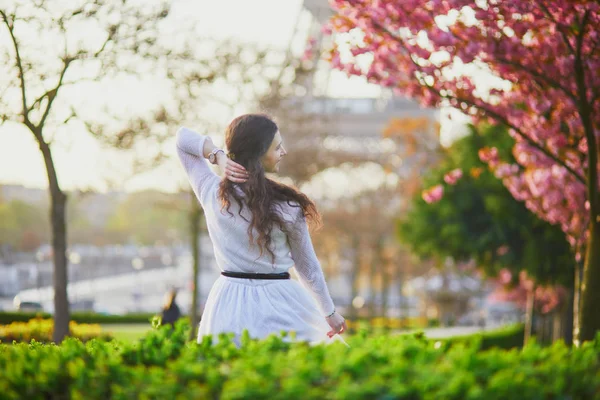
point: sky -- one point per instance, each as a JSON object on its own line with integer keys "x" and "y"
{"x": 83, "y": 163}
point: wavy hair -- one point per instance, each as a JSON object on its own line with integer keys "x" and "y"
{"x": 248, "y": 137}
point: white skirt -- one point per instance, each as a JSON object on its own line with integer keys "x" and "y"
{"x": 263, "y": 307}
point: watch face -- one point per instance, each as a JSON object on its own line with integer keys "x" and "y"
{"x": 211, "y": 158}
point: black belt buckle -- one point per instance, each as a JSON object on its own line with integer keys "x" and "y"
{"x": 247, "y": 275}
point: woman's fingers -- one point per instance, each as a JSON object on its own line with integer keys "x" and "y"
{"x": 340, "y": 329}
{"x": 236, "y": 171}
{"x": 235, "y": 166}
{"x": 237, "y": 177}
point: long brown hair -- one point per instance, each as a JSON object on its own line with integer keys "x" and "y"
{"x": 248, "y": 137}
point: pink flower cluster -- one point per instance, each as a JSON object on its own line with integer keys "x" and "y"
{"x": 433, "y": 194}
{"x": 406, "y": 47}
{"x": 546, "y": 298}
{"x": 309, "y": 50}
{"x": 453, "y": 176}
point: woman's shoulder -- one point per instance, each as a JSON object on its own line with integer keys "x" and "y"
{"x": 291, "y": 211}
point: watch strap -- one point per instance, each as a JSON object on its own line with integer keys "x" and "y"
{"x": 212, "y": 157}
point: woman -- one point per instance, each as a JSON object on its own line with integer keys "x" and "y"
{"x": 258, "y": 229}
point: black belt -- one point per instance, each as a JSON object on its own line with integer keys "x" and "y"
{"x": 244, "y": 275}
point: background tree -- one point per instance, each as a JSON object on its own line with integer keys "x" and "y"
{"x": 20, "y": 228}
{"x": 544, "y": 62}
{"x": 140, "y": 219}
{"x": 60, "y": 53}
{"x": 478, "y": 219}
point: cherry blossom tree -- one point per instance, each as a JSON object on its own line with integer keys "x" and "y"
{"x": 541, "y": 61}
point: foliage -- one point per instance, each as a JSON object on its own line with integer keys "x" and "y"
{"x": 40, "y": 330}
{"x": 505, "y": 338}
{"x": 477, "y": 218}
{"x": 147, "y": 218}
{"x": 21, "y": 226}
{"x": 163, "y": 365}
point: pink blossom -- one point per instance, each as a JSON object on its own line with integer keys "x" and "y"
{"x": 541, "y": 102}
{"x": 433, "y": 194}
{"x": 502, "y": 250}
{"x": 453, "y": 176}
{"x": 488, "y": 154}
{"x": 505, "y": 276}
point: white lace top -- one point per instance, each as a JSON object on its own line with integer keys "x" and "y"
{"x": 229, "y": 234}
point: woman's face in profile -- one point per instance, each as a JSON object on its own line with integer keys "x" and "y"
{"x": 273, "y": 156}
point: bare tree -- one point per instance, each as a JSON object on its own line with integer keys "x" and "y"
{"x": 126, "y": 38}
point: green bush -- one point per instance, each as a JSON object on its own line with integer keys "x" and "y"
{"x": 505, "y": 338}
{"x": 79, "y": 317}
{"x": 163, "y": 365}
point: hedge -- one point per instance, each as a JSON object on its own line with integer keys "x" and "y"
{"x": 164, "y": 366}
{"x": 505, "y": 338}
{"x": 79, "y": 317}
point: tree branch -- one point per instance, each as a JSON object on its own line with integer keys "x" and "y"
{"x": 19, "y": 63}
{"x": 489, "y": 112}
{"x": 539, "y": 75}
{"x": 585, "y": 114}
{"x": 529, "y": 140}
{"x": 516, "y": 64}
{"x": 68, "y": 83}
{"x": 54, "y": 92}
{"x": 101, "y": 49}
{"x": 563, "y": 34}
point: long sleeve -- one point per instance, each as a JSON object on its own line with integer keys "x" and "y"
{"x": 307, "y": 265}
{"x": 189, "y": 150}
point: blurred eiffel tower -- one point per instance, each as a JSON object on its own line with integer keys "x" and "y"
{"x": 364, "y": 128}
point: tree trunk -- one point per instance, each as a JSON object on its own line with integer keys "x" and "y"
{"x": 375, "y": 264}
{"x": 557, "y": 332}
{"x": 58, "y": 203}
{"x": 529, "y": 316}
{"x": 589, "y": 316}
{"x": 386, "y": 279}
{"x": 354, "y": 275}
{"x": 577, "y": 301}
{"x": 195, "y": 215}
{"x": 567, "y": 317}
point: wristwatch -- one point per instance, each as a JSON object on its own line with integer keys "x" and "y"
{"x": 212, "y": 156}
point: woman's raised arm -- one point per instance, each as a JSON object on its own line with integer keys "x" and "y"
{"x": 191, "y": 151}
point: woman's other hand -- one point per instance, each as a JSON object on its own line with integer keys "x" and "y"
{"x": 232, "y": 170}
{"x": 337, "y": 324}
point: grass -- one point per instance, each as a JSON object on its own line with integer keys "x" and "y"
{"x": 126, "y": 332}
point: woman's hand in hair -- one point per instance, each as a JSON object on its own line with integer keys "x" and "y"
{"x": 337, "y": 324}
{"x": 232, "y": 170}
